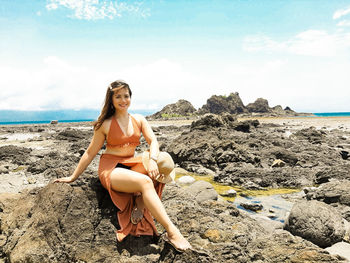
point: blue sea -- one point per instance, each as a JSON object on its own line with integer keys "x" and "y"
{"x": 10, "y": 117}
{"x": 332, "y": 114}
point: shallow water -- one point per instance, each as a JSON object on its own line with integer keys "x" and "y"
{"x": 275, "y": 206}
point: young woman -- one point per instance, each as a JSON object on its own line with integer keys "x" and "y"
{"x": 133, "y": 190}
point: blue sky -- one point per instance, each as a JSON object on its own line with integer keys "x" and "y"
{"x": 62, "y": 54}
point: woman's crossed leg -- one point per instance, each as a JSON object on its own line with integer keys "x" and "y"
{"x": 128, "y": 181}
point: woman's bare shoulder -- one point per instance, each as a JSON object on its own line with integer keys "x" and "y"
{"x": 138, "y": 117}
{"x": 105, "y": 126}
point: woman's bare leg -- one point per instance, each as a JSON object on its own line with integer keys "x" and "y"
{"x": 127, "y": 181}
{"x": 139, "y": 200}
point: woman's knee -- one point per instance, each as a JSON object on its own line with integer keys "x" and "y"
{"x": 127, "y": 180}
{"x": 146, "y": 183}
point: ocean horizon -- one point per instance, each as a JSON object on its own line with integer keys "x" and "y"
{"x": 10, "y": 117}
{"x": 13, "y": 117}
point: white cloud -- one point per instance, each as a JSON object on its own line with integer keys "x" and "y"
{"x": 344, "y": 23}
{"x": 309, "y": 43}
{"x": 95, "y": 9}
{"x": 342, "y": 12}
{"x": 57, "y": 84}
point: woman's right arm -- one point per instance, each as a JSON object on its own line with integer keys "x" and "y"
{"x": 95, "y": 145}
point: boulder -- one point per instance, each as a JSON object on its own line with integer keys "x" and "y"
{"x": 225, "y": 120}
{"x": 208, "y": 121}
{"x": 259, "y": 106}
{"x": 203, "y": 191}
{"x": 179, "y": 109}
{"x": 316, "y": 222}
{"x": 335, "y": 193}
{"x": 218, "y": 104}
{"x": 278, "y": 110}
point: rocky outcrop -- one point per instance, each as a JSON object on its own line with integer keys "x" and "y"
{"x": 335, "y": 193}
{"x": 15, "y": 154}
{"x": 181, "y": 108}
{"x": 317, "y": 222}
{"x": 218, "y": 104}
{"x": 77, "y": 223}
{"x": 225, "y": 120}
{"x": 260, "y": 105}
{"x": 278, "y": 110}
{"x": 214, "y": 145}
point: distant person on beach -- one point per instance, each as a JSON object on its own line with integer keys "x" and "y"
{"x": 134, "y": 183}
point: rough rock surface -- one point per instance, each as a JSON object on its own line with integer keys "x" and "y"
{"x": 317, "y": 222}
{"x": 219, "y": 104}
{"x": 203, "y": 191}
{"x": 179, "y": 109}
{"x": 77, "y": 223}
{"x": 335, "y": 193}
{"x": 237, "y": 156}
{"x": 260, "y": 105}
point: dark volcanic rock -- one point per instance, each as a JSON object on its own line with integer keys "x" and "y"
{"x": 74, "y": 135}
{"x": 325, "y": 174}
{"x": 278, "y": 110}
{"x": 218, "y": 104}
{"x": 311, "y": 134}
{"x": 335, "y": 193}
{"x": 17, "y": 155}
{"x": 208, "y": 121}
{"x": 260, "y": 105}
{"x": 70, "y": 223}
{"x": 317, "y": 222}
{"x": 178, "y": 109}
{"x": 281, "y": 177}
{"x": 229, "y": 121}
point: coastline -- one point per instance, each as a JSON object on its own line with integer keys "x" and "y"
{"x": 34, "y": 154}
{"x": 295, "y": 122}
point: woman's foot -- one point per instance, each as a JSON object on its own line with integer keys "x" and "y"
{"x": 177, "y": 241}
{"x": 137, "y": 212}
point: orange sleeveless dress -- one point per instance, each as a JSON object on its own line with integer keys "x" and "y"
{"x": 125, "y": 201}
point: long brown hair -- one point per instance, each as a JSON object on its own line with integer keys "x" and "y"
{"x": 108, "y": 109}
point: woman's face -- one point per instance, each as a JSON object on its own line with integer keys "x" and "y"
{"x": 121, "y": 99}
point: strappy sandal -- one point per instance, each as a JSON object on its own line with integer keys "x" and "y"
{"x": 136, "y": 215}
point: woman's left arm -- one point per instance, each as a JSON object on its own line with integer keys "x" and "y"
{"x": 153, "y": 145}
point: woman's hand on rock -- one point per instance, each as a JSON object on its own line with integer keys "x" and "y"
{"x": 153, "y": 169}
{"x": 67, "y": 179}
